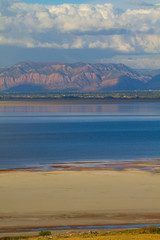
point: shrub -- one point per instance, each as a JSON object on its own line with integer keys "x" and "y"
{"x": 153, "y": 229}
{"x": 44, "y": 233}
{"x": 150, "y": 229}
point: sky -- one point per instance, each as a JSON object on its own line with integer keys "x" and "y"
{"x": 115, "y": 31}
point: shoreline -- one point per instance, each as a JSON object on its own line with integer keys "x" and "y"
{"x": 149, "y": 165}
{"x": 77, "y": 227}
{"x": 52, "y": 101}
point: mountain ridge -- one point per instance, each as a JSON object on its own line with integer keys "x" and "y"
{"x": 80, "y": 76}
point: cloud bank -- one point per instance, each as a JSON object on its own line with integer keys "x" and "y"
{"x": 80, "y": 26}
{"x": 137, "y": 63}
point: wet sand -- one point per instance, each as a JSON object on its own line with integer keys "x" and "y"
{"x": 150, "y": 165}
{"x": 70, "y": 198}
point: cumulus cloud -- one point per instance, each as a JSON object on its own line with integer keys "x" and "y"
{"x": 78, "y": 26}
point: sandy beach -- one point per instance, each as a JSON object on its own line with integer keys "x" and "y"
{"x": 62, "y": 198}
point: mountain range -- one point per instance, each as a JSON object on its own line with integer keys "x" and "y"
{"x": 55, "y": 76}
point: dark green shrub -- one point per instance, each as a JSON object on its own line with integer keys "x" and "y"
{"x": 44, "y": 233}
{"x": 153, "y": 229}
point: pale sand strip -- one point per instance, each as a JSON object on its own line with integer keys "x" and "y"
{"x": 60, "y": 198}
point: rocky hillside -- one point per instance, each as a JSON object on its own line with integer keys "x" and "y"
{"x": 154, "y": 84}
{"x": 27, "y": 76}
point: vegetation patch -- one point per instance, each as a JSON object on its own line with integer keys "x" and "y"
{"x": 44, "y": 233}
{"x": 147, "y": 233}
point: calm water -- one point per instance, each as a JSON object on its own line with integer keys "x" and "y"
{"x": 129, "y": 226}
{"x": 32, "y": 135}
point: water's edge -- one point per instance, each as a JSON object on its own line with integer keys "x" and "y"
{"x": 88, "y": 227}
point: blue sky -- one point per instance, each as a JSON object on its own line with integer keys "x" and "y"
{"x": 86, "y": 1}
{"x": 122, "y": 4}
{"x": 91, "y": 31}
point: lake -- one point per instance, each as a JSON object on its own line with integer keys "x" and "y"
{"x": 56, "y": 133}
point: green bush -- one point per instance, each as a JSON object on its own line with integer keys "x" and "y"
{"x": 153, "y": 229}
{"x": 44, "y": 233}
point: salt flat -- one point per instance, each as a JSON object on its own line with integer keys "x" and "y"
{"x": 61, "y": 198}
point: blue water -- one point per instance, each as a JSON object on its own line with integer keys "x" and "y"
{"x": 71, "y": 133}
{"x": 90, "y": 227}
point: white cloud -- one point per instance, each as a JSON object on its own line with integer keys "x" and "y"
{"x": 80, "y": 26}
{"x": 141, "y": 20}
{"x": 149, "y": 43}
{"x": 82, "y": 17}
{"x": 23, "y": 42}
{"x": 115, "y": 42}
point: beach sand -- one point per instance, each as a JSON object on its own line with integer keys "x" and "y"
{"x": 61, "y": 198}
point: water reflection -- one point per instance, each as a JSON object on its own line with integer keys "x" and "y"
{"x": 122, "y": 108}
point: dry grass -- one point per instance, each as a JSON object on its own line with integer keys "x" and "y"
{"x": 149, "y": 233}
{"x": 113, "y": 237}
{"x": 121, "y": 237}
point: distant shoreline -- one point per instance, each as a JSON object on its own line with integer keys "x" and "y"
{"x": 79, "y": 97}
{"x": 45, "y": 101}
